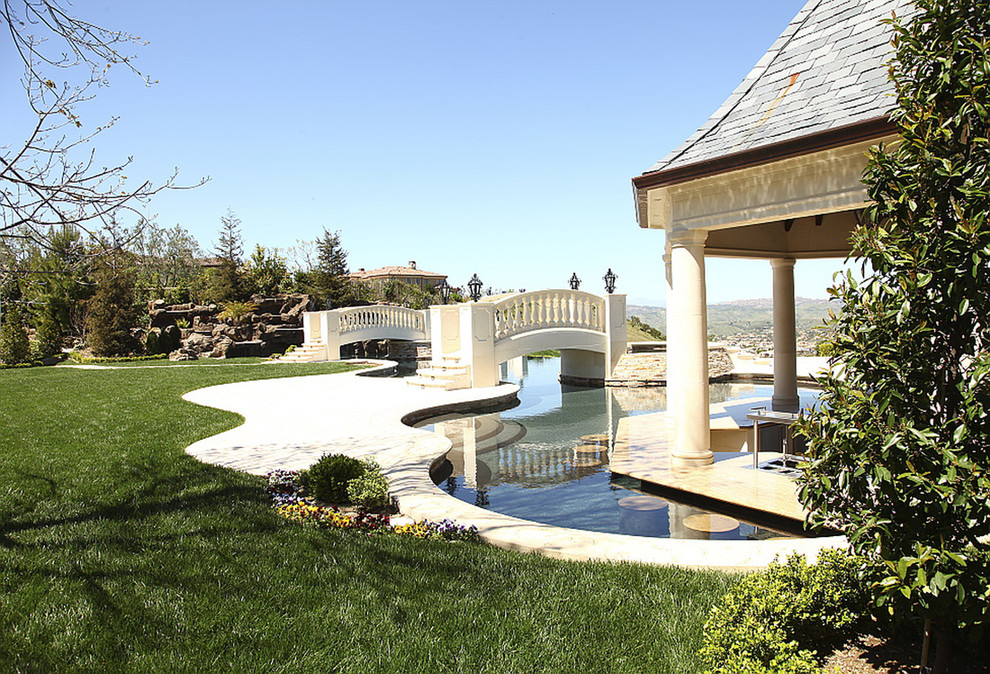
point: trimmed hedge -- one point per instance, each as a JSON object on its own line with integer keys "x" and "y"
{"x": 777, "y": 620}
{"x": 79, "y": 358}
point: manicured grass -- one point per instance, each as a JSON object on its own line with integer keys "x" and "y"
{"x": 118, "y": 551}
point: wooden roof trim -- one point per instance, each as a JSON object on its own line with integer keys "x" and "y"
{"x": 823, "y": 140}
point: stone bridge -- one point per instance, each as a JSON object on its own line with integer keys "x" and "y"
{"x": 470, "y": 340}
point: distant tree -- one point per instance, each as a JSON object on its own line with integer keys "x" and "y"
{"x": 168, "y": 262}
{"x": 230, "y": 244}
{"x": 111, "y": 312}
{"x": 14, "y": 345}
{"x": 899, "y": 447}
{"x": 61, "y": 280}
{"x": 224, "y": 283}
{"x": 328, "y": 280}
{"x": 267, "y": 272}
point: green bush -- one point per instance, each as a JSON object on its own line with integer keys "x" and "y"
{"x": 773, "y": 621}
{"x": 327, "y": 478}
{"x": 14, "y": 345}
{"x": 152, "y": 343}
{"x": 369, "y": 489}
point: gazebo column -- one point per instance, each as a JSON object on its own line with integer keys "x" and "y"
{"x": 785, "y": 394}
{"x": 687, "y": 348}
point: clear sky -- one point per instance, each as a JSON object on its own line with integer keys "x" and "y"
{"x": 490, "y": 137}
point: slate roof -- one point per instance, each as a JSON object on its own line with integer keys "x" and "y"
{"x": 826, "y": 70}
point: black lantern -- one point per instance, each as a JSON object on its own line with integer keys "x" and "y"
{"x": 609, "y": 281}
{"x": 443, "y": 289}
{"x": 575, "y": 281}
{"x": 475, "y": 285}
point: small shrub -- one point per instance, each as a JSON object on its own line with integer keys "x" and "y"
{"x": 327, "y": 478}
{"x": 235, "y": 312}
{"x": 152, "y": 343}
{"x": 15, "y": 348}
{"x": 774, "y": 620}
{"x": 182, "y": 323}
{"x": 369, "y": 489}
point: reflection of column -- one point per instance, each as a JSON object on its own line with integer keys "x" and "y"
{"x": 610, "y": 416}
{"x": 785, "y": 395}
{"x": 514, "y": 368}
{"x": 677, "y": 512}
{"x": 687, "y": 348}
{"x": 471, "y": 455}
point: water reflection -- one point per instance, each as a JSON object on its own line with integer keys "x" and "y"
{"x": 547, "y": 460}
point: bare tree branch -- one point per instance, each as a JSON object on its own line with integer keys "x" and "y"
{"x": 51, "y": 179}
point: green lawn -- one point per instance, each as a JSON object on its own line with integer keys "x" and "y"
{"x": 118, "y": 551}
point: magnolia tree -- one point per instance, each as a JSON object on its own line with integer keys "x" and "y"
{"x": 901, "y": 447}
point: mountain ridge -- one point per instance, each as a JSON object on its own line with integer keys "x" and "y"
{"x": 741, "y": 316}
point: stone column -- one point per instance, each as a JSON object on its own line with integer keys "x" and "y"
{"x": 785, "y": 394}
{"x": 687, "y": 349}
{"x": 615, "y": 330}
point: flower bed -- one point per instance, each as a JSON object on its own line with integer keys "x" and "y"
{"x": 290, "y": 501}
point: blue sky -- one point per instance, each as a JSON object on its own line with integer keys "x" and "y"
{"x": 488, "y": 137}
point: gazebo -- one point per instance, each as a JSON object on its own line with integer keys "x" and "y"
{"x": 775, "y": 174}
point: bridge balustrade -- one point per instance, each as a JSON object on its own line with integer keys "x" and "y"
{"x": 547, "y": 309}
{"x": 354, "y": 319}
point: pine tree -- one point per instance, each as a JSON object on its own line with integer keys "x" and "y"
{"x": 49, "y": 333}
{"x": 226, "y": 283}
{"x": 328, "y": 281}
{"x": 111, "y": 314}
{"x": 14, "y": 345}
{"x": 901, "y": 447}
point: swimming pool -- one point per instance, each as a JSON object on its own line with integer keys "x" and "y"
{"x": 531, "y": 461}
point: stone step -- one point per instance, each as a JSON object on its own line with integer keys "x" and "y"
{"x": 428, "y": 383}
{"x": 307, "y": 353}
{"x": 441, "y": 371}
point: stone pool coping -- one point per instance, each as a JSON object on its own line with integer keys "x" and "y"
{"x": 290, "y": 422}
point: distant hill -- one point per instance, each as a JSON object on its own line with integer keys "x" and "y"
{"x": 730, "y": 318}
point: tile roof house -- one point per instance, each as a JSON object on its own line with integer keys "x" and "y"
{"x": 409, "y": 274}
{"x": 775, "y": 173}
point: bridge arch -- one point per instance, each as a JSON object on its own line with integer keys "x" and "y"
{"x": 470, "y": 340}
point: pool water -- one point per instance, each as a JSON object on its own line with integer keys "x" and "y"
{"x": 522, "y": 461}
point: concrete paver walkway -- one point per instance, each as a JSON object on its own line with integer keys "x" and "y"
{"x": 290, "y": 423}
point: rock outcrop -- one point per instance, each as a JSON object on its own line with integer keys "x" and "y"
{"x": 189, "y": 331}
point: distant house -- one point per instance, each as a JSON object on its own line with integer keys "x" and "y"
{"x": 426, "y": 280}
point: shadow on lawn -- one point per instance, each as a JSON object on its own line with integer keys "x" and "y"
{"x": 144, "y": 502}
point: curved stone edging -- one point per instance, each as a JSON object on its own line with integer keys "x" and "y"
{"x": 287, "y": 425}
